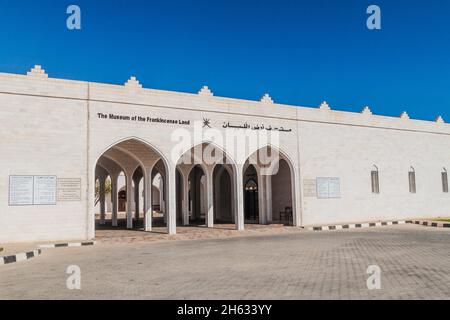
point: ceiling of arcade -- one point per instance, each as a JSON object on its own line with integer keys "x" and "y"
{"x": 127, "y": 156}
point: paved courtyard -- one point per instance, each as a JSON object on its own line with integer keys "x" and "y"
{"x": 414, "y": 260}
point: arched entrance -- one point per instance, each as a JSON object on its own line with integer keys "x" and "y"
{"x": 159, "y": 195}
{"x": 208, "y": 186}
{"x": 132, "y": 166}
{"x": 281, "y": 185}
{"x": 223, "y": 195}
{"x": 269, "y": 188}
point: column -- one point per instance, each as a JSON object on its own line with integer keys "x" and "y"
{"x": 129, "y": 187}
{"x": 186, "y": 199}
{"x": 171, "y": 211}
{"x": 261, "y": 198}
{"x": 115, "y": 200}
{"x": 136, "y": 198}
{"x": 239, "y": 196}
{"x": 102, "y": 191}
{"x": 209, "y": 197}
{"x": 162, "y": 196}
{"x": 148, "y": 204}
{"x": 268, "y": 198}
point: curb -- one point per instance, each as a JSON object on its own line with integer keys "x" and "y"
{"x": 67, "y": 244}
{"x": 430, "y": 223}
{"x": 356, "y": 225}
{"x": 20, "y": 257}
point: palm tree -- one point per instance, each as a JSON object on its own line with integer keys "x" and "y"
{"x": 108, "y": 190}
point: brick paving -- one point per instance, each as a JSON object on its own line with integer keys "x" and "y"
{"x": 415, "y": 264}
{"x": 109, "y": 235}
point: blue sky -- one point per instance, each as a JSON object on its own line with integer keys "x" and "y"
{"x": 301, "y": 52}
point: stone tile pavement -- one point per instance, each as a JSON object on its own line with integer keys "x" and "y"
{"x": 189, "y": 233}
{"x": 414, "y": 262}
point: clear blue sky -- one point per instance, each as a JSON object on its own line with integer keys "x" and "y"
{"x": 301, "y": 52}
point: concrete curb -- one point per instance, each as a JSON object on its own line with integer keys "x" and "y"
{"x": 67, "y": 244}
{"x": 435, "y": 224}
{"x": 356, "y": 225}
{"x": 19, "y": 257}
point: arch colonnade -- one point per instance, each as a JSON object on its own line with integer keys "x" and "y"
{"x": 193, "y": 192}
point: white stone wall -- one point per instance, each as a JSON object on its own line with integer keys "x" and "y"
{"x": 42, "y": 135}
{"x": 50, "y": 127}
{"x": 350, "y": 153}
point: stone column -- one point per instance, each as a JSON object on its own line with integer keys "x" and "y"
{"x": 102, "y": 191}
{"x": 148, "y": 204}
{"x": 261, "y": 198}
{"x": 136, "y": 198}
{"x": 239, "y": 184}
{"x": 129, "y": 186}
{"x": 268, "y": 198}
{"x": 186, "y": 199}
{"x": 115, "y": 200}
{"x": 171, "y": 211}
{"x": 162, "y": 196}
{"x": 209, "y": 197}
{"x": 233, "y": 194}
{"x": 217, "y": 192}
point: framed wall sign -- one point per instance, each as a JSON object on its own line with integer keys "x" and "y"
{"x": 328, "y": 188}
{"x": 20, "y": 190}
{"x": 32, "y": 190}
{"x": 44, "y": 190}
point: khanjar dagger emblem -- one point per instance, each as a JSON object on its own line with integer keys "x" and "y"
{"x": 206, "y": 123}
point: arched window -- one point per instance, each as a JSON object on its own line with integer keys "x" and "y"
{"x": 375, "y": 180}
{"x": 412, "y": 180}
{"x": 444, "y": 180}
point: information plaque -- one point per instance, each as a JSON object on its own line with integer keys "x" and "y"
{"x": 20, "y": 190}
{"x": 44, "y": 190}
{"x": 328, "y": 188}
{"x": 310, "y": 188}
{"x": 69, "y": 189}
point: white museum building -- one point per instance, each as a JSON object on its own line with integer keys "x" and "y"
{"x": 77, "y": 156}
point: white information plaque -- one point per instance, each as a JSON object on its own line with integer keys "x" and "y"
{"x": 310, "y": 188}
{"x": 69, "y": 189}
{"x": 44, "y": 190}
{"x": 328, "y": 188}
{"x": 20, "y": 190}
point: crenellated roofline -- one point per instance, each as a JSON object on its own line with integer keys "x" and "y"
{"x": 37, "y": 83}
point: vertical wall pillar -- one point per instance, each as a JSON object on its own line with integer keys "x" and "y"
{"x": 239, "y": 185}
{"x": 209, "y": 197}
{"x": 296, "y": 200}
{"x": 129, "y": 186}
{"x": 102, "y": 192}
{"x": 115, "y": 200}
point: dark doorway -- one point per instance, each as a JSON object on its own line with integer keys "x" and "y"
{"x": 251, "y": 203}
{"x": 122, "y": 200}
